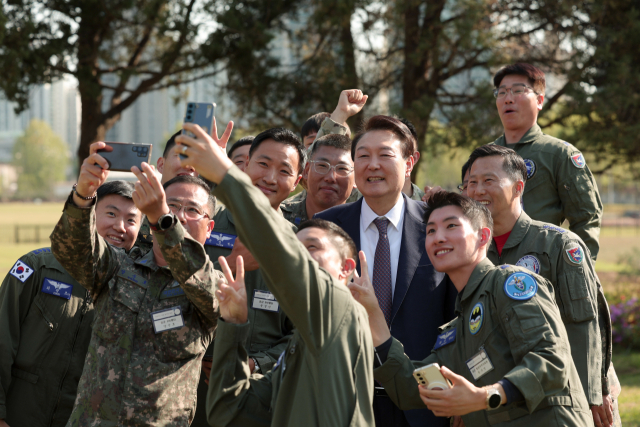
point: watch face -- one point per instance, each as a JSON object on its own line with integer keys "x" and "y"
{"x": 494, "y": 401}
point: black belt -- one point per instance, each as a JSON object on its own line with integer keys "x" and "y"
{"x": 380, "y": 391}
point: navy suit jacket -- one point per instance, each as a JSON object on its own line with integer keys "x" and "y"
{"x": 423, "y": 298}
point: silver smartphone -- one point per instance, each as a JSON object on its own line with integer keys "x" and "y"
{"x": 431, "y": 377}
{"x": 201, "y": 114}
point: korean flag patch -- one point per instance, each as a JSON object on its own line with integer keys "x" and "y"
{"x": 531, "y": 168}
{"x": 578, "y": 160}
{"x": 575, "y": 255}
{"x": 21, "y": 271}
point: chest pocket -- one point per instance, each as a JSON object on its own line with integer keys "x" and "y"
{"x": 526, "y": 326}
{"x": 576, "y": 304}
{"x": 119, "y": 309}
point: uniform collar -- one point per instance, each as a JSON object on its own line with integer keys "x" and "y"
{"x": 519, "y": 230}
{"x": 147, "y": 261}
{"x": 530, "y": 136}
{"x": 481, "y": 270}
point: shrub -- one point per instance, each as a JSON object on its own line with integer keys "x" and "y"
{"x": 625, "y": 317}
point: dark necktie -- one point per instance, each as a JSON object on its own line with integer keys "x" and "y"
{"x": 382, "y": 269}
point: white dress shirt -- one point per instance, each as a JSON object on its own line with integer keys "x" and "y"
{"x": 369, "y": 236}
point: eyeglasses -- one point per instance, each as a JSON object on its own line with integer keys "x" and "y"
{"x": 461, "y": 187}
{"x": 516, "y": 90}
{"x": 323, "y": 168}
{"x": 190, "y": 212}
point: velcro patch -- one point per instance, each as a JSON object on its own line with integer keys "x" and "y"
{"x": 21, "y": 271}
{"x": 41, "y": 251}
{"x": 554, "y": 228}
{"x": 130, "y": 275}
{"x": 55, "y": 288}
{"x": 520, "y": 286}
{"x": 221, "y": 240}
{"x": 445, "y": 338}
{"x": 575, "y": 255}
{"x": 173, "y": 290}
{"x": 529, "y": 262}
{"x": 578, "y": 160}
{"x": 531, "y": 168}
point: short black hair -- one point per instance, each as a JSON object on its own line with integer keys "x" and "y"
{"x": 188, "y": 179}
{"x": 283, "y": 136}
{"x": 399, "y": 129}
{"x": 532, "y": 73}
{"x": 341, "y": 142}
{"x": 313, "y": 124}
{"x": 512, "y": 163}
{"x": 412, "y": 129}
{"x": 170, "y": 143}
{"x": 465, "y": 169}
{"x": 245, "y": 140}
{"x": 342, "y": 241}
{"x": 477, "y": 214}
{"x": 116, "y": 188}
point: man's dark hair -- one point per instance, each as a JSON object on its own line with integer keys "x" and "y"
{"x": 399, "y": 129}
{"x": 477, "y": 214}
{"x": 412, "y": 129}
{"x": 532, "y": 73}
{"x": 512, "y": 163}
{"x": 188, "y": 179}
{"x": 465, "y": 169}
{"x": 313, "y": 124}
{"x": 283, "y": 136}
{"x": 341, "y": 142}
{"x": 117, "y": 188}
{"x": 342, "y": 241}
{"x": 245, "y": 140}
{"x": 170, "y": 143}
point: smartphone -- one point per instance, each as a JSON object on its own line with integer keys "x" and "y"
{"x": 431, "y": 377}
{"x": 126, "y": 154}
{"x": 199, "y": 113}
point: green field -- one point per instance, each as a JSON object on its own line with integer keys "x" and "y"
{"x": 613, "y": 243}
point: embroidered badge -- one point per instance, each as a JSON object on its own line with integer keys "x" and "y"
{"x": 503, "y": 266}
{"x": 58, "y": 289}
{"x": 445, "y": 338}
{"x": 173, "y": 290}
{"x": 476, "y": 318}
{"x": 575, "y": 255}
{"x": 221, "y": 240}
{"x": 41, "y": 251}
{"x": 578, "y": 160}
{"x": 531, "y": 168}
{"x": 529, "y": 262}
{"x": 129, "y": 275}
{"x": 554, "y": 228}
{"x": 21, "y": 271}
{"x": 520, "y": 286}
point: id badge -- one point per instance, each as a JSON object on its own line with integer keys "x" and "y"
{"x": 480, "y": 364}
{"x": 167, "y": 319}
{"x": 264, "y": 300}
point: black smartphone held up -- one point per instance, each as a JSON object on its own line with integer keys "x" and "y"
{"x": 200, "y": 113}
{"x": 126, "y": 154}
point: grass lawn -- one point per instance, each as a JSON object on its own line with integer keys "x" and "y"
{"x": 627, "y": 364}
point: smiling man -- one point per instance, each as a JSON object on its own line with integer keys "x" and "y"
{"x": 506, "y": 354}
{"x": 559, "y": 183}
{"x": 45, "y": 322}
{"x": 329, "y": 176}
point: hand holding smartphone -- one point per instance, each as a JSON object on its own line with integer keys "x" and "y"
{"x": 431, "y": 377}
{"x": 124, "y": 155}
{"x": 201, "y": 114}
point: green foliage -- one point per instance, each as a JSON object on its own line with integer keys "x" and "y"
{"x": 40, "y": 157}
{"x": 631, "y": 262}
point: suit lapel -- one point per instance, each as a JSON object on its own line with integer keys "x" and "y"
{"x": 411, "y": 251}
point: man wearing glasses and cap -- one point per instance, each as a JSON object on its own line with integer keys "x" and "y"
{"x": 559, "y": 183}
{"x": 329, "y": 176}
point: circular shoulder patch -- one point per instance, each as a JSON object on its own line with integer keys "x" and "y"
{"x": 531, "y": 168}
{"x": 476, "y": 318}
{"x": 529, "y": 262}
{"x": 578, "y": 160}
{"x": 520, "y": 286}
{"x": 575, "y": 254}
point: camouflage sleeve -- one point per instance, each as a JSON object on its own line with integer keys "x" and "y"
{"x": 76, "y": 244}
{"x": 235, "y": 397}
{"x": 16, "y": 296}
{"x": 329, "y": 127}
{"x": 580, "y": 199}
{"x": 191, "y": 267}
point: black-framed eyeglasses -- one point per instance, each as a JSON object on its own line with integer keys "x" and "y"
{"x": 323, "y": 168}
{"x": 190, "y": 212}
{"x": 516, "y": 90}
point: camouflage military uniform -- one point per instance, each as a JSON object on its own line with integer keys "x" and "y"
{"x": 559, "y": 185}
{"x": 294, "y": 209}
{"x": 508, "y": 326}
{"x": 45, "y": 327}
{"x": 134, "y": 376}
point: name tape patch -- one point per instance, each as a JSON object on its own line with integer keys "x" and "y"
{"x": 480, "y": 364}
{"x": 21, "y": 271}
{"x": 520, "y": 286}
{"x": 55, "y": 288}
{"x": 445, "y": 338}
{"x": 167, "y": 319}
{"x": 221, "y": 240}
{"x": 133, "y": 277}
{"x": 264, "y": 300}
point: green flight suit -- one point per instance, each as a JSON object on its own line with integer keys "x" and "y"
{"x": 269, "y": 332}
{"x": 562, "y": 258}
{"x": 325, "y": 376}
{"x": 559, "y": 185}
{"x": 152, "y": 324}
{"x": 525, "y": 342}
{"x": 45, "y": 328}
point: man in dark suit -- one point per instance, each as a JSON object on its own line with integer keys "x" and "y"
{"x": 389, "y": 228}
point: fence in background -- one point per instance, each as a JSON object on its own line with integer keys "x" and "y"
{"x": 26, "y": 233}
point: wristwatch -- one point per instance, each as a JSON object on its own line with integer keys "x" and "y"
{"x": 256, "y": 366}
{"x": 165, "y": 222}
{"x": 493, "y": 399}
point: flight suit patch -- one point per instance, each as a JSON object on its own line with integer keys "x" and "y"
{"x": 21, "y": 271}
{"x": 520, "y": 286}
{"x": 503, "y": 266}
{"x": 55, "y": 288}
{"x": 554, "y": 228}
{"x": 476, "y": 318}
{"x": 578, "y": 160}
{"x": 531, "y": 168}
{"x": 529, "y": 262}
{"x": 41, "y": 251}
{"x": 221, "y": 240}
{"x": 574, "y": 255}
{"x": 445, "y": 338}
